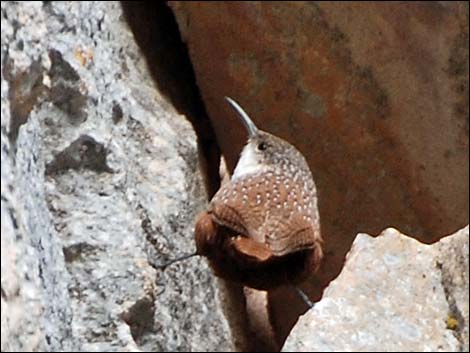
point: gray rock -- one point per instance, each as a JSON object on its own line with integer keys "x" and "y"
{"x": 100, "y": 180}
{"x": 394, "y": 294}
{"x": 452, "y": 260}
{"x": 22, "y": 298}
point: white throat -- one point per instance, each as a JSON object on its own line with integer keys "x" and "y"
{"x": 247, "y": 164}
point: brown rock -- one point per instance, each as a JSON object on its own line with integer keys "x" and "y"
{"x": 375, "y": 95}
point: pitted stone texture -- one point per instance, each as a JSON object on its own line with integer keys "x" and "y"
{"x": 100, "y": 179}
{"x": 22, "y": 296}
{"x": 394, "y": 294}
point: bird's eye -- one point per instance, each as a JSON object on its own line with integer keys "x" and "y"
{"x": 261, "y": 146}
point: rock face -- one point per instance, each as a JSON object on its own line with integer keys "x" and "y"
{"x": 394, "y": 294}
{"x": 100, "y": 179}
{"x": 379, "y": 107}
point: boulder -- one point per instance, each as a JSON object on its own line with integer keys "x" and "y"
{"x": 100, "y": 182}
{"x": 393, "y": 294}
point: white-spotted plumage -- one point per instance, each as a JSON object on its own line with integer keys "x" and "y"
{"x": 271, "y": 196}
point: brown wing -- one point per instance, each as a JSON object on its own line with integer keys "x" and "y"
{"x": 277, "y": 213}
{"x": 291, "y": 235}
{"x": 293, "y": 223}
{"x": 237, "y": 206}
{"x": 227, "y": 215}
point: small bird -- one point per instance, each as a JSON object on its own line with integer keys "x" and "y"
{"x": 262, "y": 228}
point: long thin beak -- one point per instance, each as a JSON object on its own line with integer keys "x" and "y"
{"x": 249, "y": 124}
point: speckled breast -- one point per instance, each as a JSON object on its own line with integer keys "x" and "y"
{"x": 267, "y": 205}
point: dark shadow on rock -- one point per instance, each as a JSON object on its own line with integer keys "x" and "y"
{"x": 156, "y": 32}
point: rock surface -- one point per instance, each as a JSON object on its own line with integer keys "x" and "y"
{"x": 100, "y": 179}
{"x": 394, "y": 294}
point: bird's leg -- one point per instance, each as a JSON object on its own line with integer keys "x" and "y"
{"x": 168, "y": 263}
{"x": 304, "y": 297}
{"x": 205, "y": 235}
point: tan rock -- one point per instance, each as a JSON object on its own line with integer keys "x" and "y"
{"x": 394, "y": 294}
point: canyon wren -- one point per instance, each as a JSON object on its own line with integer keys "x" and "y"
{"x": 262, "y": 228}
